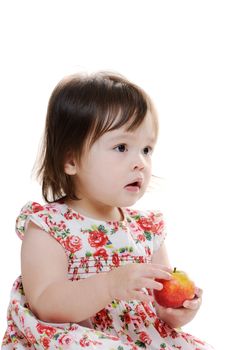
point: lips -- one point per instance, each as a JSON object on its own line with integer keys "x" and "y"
{"x": 134, "y": 186}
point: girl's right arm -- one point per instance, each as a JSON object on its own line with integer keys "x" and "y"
{"x": 54, "y": 298}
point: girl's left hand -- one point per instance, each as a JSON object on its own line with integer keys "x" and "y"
{"x": 176, "y": 318}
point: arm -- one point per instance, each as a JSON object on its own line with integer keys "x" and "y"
{"x": 54, "y": 298}
{"x": 161, "y": 257}
{"x": 51, "y": 296}
{"x": 175, "y": 318}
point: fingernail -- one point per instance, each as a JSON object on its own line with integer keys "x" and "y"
{"x": 160, "y": 286}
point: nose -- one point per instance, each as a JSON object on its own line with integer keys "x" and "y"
{"x": 138, "y": 162}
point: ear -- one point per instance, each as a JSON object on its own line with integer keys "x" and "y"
{"x": 70, "y": 165}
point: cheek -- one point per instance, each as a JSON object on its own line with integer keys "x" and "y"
{"x": 100, "y": 176}
{"x": 148, "y": 174}
{"x": 149, "y": 167}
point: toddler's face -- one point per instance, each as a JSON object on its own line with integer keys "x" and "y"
{"x": 117, "y": 168}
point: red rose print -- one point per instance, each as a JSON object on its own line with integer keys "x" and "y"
{"x": 84, "y": 342}
{"x": 74, "y": 328}
{"x": 137, "y": 321}
{"x": 127, "y": 318}
{"x": 115, "y": 225}
{"x": 185, "y": 336}
{"x": 158, "y": 227}
{"x": 132, "y": 212}
{"x": 113, "y": 337}
{"x": 141, "y": 238}
{"x": 115, "y": 260}
{"x": 61, "y": 225}
{"x": 21, "y": 319}
{"x": 148, "y": 310}
{"x": 150, "y": 224}
{"x": 161, "y": 328}
{"x": 48, "y": 330}
{"x": 69, "y": 215}
{"x": 97, "y": 239}
{"x": 30, "y": 337}
{"x": 144, "y": 337}
{"x": 174, "y": 334}
{"x": 145, "y": 223}
{"x": 65, "y": 340}
{"x": 140, "y": 259}
{"x": 36, "y": 207}
{"x": 140, "y": 312}
{"x": 15, "y": 307}
{"x": 129, "y": 339}
{"x": 101, "y": 253}
{"x": 45, "y": 342}
{"x": 73, "y": 243}
{"x": 134, "y": 347}
{"x": 103, "y": 320}
{"x": 98, "y": 265}
{"x": 148, "y": 251}
{"x": 16, "y": 286}
{"x": 199, "y": 341}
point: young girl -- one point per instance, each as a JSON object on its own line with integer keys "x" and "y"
{"x": 89, "y": 263}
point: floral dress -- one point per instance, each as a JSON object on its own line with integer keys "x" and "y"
{"x": 93, "y": 246}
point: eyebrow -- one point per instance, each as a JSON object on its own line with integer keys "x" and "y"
{"x": 127, "y": 135}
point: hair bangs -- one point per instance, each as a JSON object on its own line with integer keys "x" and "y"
{"x": 125, "y": 106}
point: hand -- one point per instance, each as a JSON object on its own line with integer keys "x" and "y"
{"x": 126, "y": 282}
{"x": 176, "y": 318}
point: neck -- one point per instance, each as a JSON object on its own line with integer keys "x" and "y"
{"x": 99, "y": 212}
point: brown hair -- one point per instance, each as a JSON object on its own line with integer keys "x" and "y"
{"x": 80, "y": 110}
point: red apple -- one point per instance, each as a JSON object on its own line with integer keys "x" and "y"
{"x": 175, "y": 291}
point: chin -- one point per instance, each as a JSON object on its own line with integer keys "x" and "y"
{"x": 128, "y": 202}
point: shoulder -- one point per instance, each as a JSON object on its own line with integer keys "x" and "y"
{"x": 149, "y": 220}
{"x": 152, "y": 223}
{"x": 34, "y": 207}
{"x": 40, "y": 214}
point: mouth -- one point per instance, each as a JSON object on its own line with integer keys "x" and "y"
{"x": 134, "y": 186}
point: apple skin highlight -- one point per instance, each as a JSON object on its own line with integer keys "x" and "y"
{"x": 175, "y": 291}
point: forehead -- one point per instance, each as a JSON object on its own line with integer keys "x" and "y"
{"x": 146, "y": 130}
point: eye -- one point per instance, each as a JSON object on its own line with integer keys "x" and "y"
{"x": 147, "y": 150}
{"x": 121, "y": 148}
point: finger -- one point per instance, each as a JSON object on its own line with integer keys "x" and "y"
{"x": 139, "y": 295}
{"x": 150, "y": 284}
{"x": 162, "y": 267}
{"x": 170, "y": 310}
{"x": 161, "y": 274}
{"x": 152, "y": 272}
{"x": 198, "y": 292}
{"x": 192, "y": 304}
{"x": 174, "y": 312}
{"x": 157, "y": 273}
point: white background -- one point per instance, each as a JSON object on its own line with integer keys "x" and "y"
{"x": 180, "y": 52}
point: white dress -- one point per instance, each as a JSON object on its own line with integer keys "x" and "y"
{"x": 94, "y": 246}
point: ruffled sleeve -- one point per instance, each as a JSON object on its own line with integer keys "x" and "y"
{"x": 36, "y": 213}
{"x": 153, "y": 226}
{"x": 158, "y": 229}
